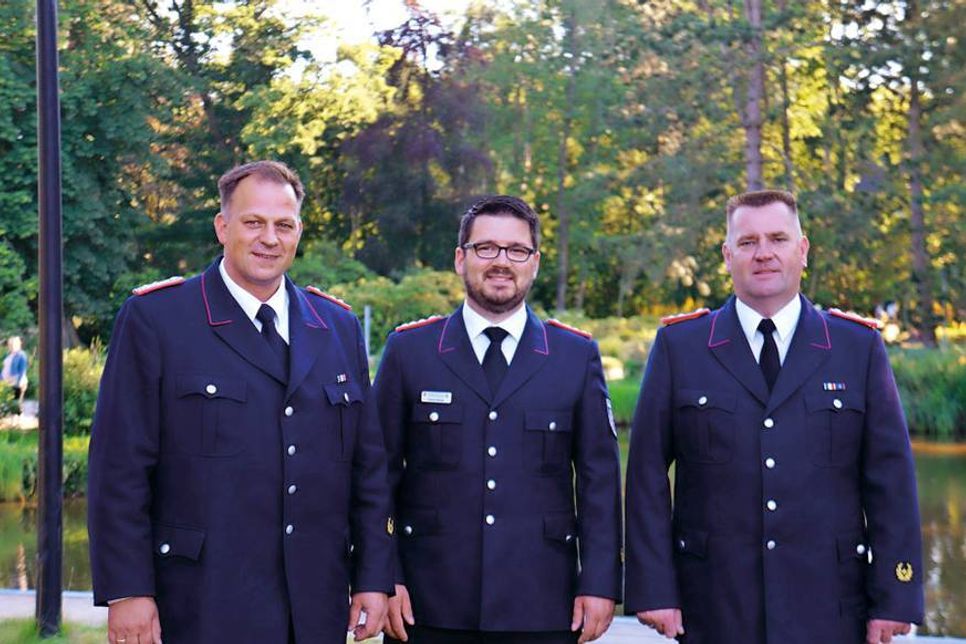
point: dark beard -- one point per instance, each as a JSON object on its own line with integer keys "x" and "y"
{"x": 494, "y": 306}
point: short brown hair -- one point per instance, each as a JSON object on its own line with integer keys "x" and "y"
{"x": 500, "y": 205}
{"x": 273, "y": 171}
{"x": 759, "y": 198}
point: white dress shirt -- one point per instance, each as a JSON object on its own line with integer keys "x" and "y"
{"x": 785, "y": 322}
{"x": 250, "y": 304}
{"x": 513, "y": 325}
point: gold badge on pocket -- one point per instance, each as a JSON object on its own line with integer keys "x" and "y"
{"x": 390, "y": 525}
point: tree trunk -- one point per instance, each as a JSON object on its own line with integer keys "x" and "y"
{"x": 563, "y": 211}
{"x": 751, "y": 114}
{"x": 786, "y": 131}
{"x": 917, "y": 218}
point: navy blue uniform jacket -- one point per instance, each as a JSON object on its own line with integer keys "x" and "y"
{"x": 485, "y": 484}
{"x": 778, "y": 499}
{"x": 201, "y": 457}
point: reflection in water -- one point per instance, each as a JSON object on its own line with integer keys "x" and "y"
{"x": 18, "y": 546}
{"x": 942, "y": 501}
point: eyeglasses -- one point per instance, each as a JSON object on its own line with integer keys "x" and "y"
{"x": 489, "y": 250}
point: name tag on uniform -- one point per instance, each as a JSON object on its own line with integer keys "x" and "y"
{"x": 438, "y": 397}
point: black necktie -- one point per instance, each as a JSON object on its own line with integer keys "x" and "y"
{"x": 494, "y": 362}
{"x": 266, "y": 315}
{"x": 768, "y": 361}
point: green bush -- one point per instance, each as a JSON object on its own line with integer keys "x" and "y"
{"x": 82, "y": 375}
{"x": 933, "y": 388}
{"x": 8, "y": 400}
{"x": 19, "y": 465}
{"x": 417, "y": 295}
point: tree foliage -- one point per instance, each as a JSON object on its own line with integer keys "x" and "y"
{"x": 626, "y": 124}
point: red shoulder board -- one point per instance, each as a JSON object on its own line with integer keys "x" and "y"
{"x": 668, "y": 320}
{"x": 566, "y": 327}
{"x": 144, "y": 289}
{"x": 332, "y": 298}
{"x": 872, "y": 323}
{"x": 415, "y": 324}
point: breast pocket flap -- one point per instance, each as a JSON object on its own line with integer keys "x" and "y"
{"x": 835, "y": 401}
{"x": 343, "y": 393}
{"x": 211, "y": 387}
{"x": 434, "y": 413}
{"x": 548, "y": 421}
{"x": 704, "y": 399}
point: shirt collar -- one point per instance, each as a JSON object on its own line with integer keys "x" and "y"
{"x": 250, "y": 304}
{"x": 786, "y": 319}
{"x": 476, "y": 323}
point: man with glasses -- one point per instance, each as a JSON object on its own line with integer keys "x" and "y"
{"x": 502, "y": 457}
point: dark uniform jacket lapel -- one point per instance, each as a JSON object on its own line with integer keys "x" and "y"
{"x": 811, "y": 346}
{"x": 730, "y": 346}
{"x": 531, "y": 355}
{"x": 456, "y": 352}
{"x": 229, "y": 322}
{"x": 308, "y": 337}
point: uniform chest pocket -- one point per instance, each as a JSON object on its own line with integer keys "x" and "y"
{"x": 704, "y": 425}
{"x": 548, "y": 440}
{"x": 346, "y": 400}
{"x": 436, "y": 439}
{"x": 835, "y": 421}
{"x": 208, "y": 416}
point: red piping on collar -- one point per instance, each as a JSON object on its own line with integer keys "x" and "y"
{"x": 546, "y": 345}
{"x": 306, "y": 301}
{"x": 714, "y": 321}
{"x": 204, "y": 297}
{"x": 443, "y": 335}
{"x": 828, "y": 339}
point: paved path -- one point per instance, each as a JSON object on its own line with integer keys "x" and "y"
{"x": 79, "y": 608}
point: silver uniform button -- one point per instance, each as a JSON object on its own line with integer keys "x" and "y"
{"x": 769, "y": 423}
{"x": 770, "y": 544}
{"x": 345, "y": 396}
{"x": 291, "y": 450}
{"x": 165, "y": 548}
{"x": 860, "y": 549}
{"x": 837, "y": 403}
{"x": 433, "y": 416}
{"x": 490, "y": 519}
{"x": 569, "y": 538}
{"x": 772, "y": 505}
{"x": 292, "y": 489}
{"x": 289, "y": 411}
{"x": 552, "y": 426}
{"x": 491, "y": 451}
{"x": 289, "y": 529}
{"x": 211, "y": 390}
{"x": 703, "y": 400}
{"x": 682, "y": 543}
{"x": 491, "y": 484}
{"x": 408, "y": 530}
{"x": 770, "y": 463}
{"x": 493, "y": 415}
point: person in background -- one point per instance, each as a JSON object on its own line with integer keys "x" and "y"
{"x": 15, "y": 365}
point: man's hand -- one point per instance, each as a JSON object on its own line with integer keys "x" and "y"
{"x": 400, "y": 614}
{"x": 594, "y": 614}
{"x": 882, "y": 630}
{"x": 374, "y": 606}
{"x": 133, "y": 621}
{"x": 666, "y": 621}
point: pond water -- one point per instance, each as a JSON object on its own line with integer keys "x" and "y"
{"x": 942, "y": 498}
